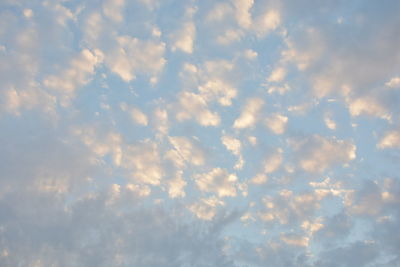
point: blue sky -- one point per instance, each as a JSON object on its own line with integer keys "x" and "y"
{"x": 199, "y": 133}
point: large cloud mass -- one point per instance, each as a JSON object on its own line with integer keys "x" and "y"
{"x": 199, "y": 133}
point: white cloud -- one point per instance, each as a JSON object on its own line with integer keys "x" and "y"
{"x": 276, "y": 123}
{"x": 250, "y": 54}
{"x": 249, "y": 114}
{"x": 289, "y": 208}
{"x": 267, "y": 22}
{"x": 259, "y": 179}
{"x": 232, "y": 144}
{"x": 113, "y": 9}
{"x": 394, "y": 82}
{"x": 80, "y": 72}
{"x": 184, "y": 38}
{"x": 317, "y": 153}
{"x": 186, "y": 150}
{"x": 329, "y": 122}
{"x": 143, "y": 162}
{"x": 218, "y": 181}
{"x": 194, "y": 105}
{"x": 273, "y": 161}
{"x": 368, "y": 105}
{"x": 277, "y": 75}
{"x": 391, "y": 139}
{"x": 218, "y": 89}
{"x": 206, "y": 209}
{"x": 138, "y": 116}
{"x": 295, "y": 240}
{"x": 242, "y": 10}
{"x": 160, "y": 121}
{"x": 28, "y": 13}
{"x": 134, "y": 56}
{"x": 176, "y": 186}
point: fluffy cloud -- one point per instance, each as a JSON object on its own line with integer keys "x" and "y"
{"x": 80, "y": 72}
{"x": 391, "y": 139}
{"x": 317, "y": 153}
{"x": 184, "y": 39}
{"x": 218, "y": 181}
{"x": 134, "y": 56}
{"x": 249, "y": 114}
{"x": 185, "y": 150}
{"x": 194, "y": 105}
{"x": 276, "y": 123}
{"x": 80, "y": 183}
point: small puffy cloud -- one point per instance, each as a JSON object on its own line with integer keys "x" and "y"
{"x": 229, "y": 36}
{"x": 185, "y": 150}
{"x": 28, "y": 13}
{"x": 242, "y": 10}
{"x": 368, "y": 105}
{"x": 260, "y": 178}
{"x": 317, "y": 153}
{"x": 267, "y": 22}
{"x": 232, "y": 144}
{"x": 184, "y": 38}
{"x": 329, "y": 122}
{"x": 250, "y": 54}
{"x": 276, "y": 123}
{"x": 194, "y": 105}
{"x": 218, "y": 181}
{"x": 277, "y": 75}
{"x": 220, "y": 90}
{"x": 250, "y": 113}
{"x": 391, "y": 139}
{"x": 133, "y": 56}
{"x": 138, "y": 116}
{"x": 160, "y": 121}
{"x": 295, "y": 240}
{"x": 176, "y": 186}
{"x": 206, "y": 208}
{"x": 113, "y": 9}
{"x": 143, "y": 162}
{"x": 289, "y": 208}
{"x": 273, "y": 161}
{"x": 14, "y": 101}
{"x": 394, "y": 82}
{"x": 80, "y": 71}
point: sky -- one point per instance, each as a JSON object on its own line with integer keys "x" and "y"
{"x": 237, "y": 133}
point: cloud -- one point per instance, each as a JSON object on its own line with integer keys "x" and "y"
{"x": 133, "y": 56}
{"x": 317, "y": 153}
{"x": 107, "y": 159}
{"x": 194, "y": 105}
{"x": 277, "y": 75}
{"x": 249, "y": 114}
{"x": 218, "y": 181}
{"x": 143, "y": 162}
{"x": 80, "y": 72}
{"x": 206, "y": 209}
{"x": 139, "y": 117}
{"x": 234, "y": 145}
{"x": 394, "y": 82}
{"x": 176, "y": 186}
{"x": 184, "y": 39}
{"x": 185, "y": 150}
{"x": 113, "y": 9}
{"x": 276, "y": 123}
{"x": 267, "y": 22}
{"x": 390, "y": 139}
